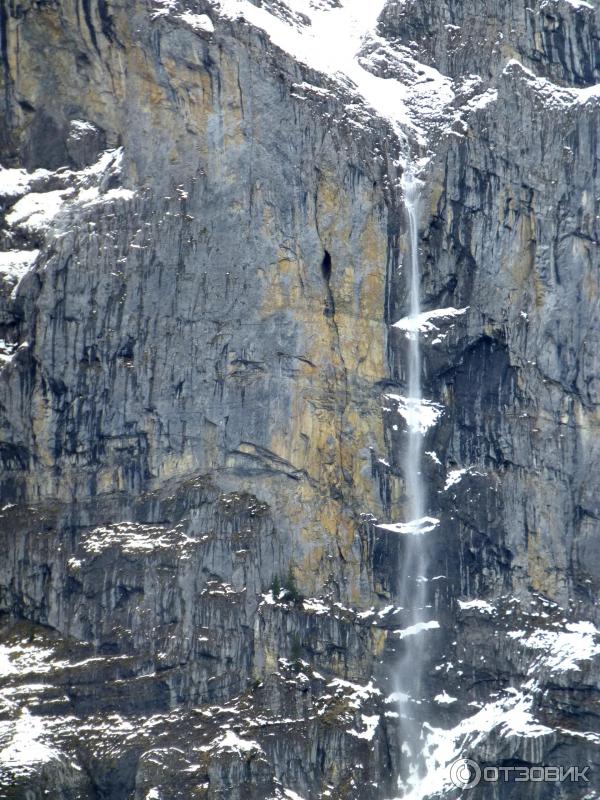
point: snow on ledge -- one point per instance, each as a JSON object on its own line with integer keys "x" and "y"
{"x": 455, "y": 476}
{"x": 15, "y": 182}
{"x": 423, "y": 322}
{"x": 444, "y": 699}
{"x": 418, "y": 627}
{"x": 37, "y": 209}
{"x": 315, "y": 606}
{"x": 419, "y": 415}
{"x": 354, "y": 693}
{"x": 578, "y": 4}
{"x": 290, "y": 795}
{"x": 476, "y": 605}
{"x": 561, "y": 650}
{"x": 510, "y": 716}
{"x": 370, "y": 723}
{"x": 554, "y": 96}
{"x": 198, "y": 22}
{"x": 132, "y": 537}
{"x": 26, "y": 748}
{"x": 415, "y": 527}
{"x": 230, "y": 742}
{"x": 330, "y": 38}
{"x": 14, "y": 264}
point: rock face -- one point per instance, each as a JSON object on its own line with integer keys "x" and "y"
{"x": 202, "y": 402}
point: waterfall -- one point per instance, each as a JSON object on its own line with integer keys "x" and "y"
{"x": 412, "y": 586}
{"x": 414, "y": 483}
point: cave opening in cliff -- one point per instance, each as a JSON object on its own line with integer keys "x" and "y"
{"x": 326, "y": 266}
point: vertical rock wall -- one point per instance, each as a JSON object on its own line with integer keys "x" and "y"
{"x": 202, "y": 246}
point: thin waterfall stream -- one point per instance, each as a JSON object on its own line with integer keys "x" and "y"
{"x": 414, "y": 483}
{"x": 411, "y": 579}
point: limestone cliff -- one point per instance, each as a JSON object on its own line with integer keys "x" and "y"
{"x": 203, "y": 364}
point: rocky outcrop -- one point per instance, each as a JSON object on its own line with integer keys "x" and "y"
{"x": 202, "y": 397}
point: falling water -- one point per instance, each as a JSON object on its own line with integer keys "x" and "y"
{"x": 414, "y": 484}
{"x": 412, "y": 586}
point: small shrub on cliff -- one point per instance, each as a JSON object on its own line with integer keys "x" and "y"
{"x": 291, "y": 588}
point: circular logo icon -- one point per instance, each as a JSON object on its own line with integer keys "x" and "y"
{"x": 465, "y": 773}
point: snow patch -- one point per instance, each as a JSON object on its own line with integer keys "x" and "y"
{"x": 419, "y": 415}
{"x": 292, "y": 795}
{"x": 199, "y": 22}
{"x": 230, "y": 742}
{"x": 329, "y": 39}
{"x": 132, "y": 537}
{"x": 454, "y": 476}
{"x": 24, "y": 747}
{"x": 577, "y": 4}
{"x": 15, "y": 182}
{"x": 353, "y": 692}
{"x": 418, "y": 627}
{"x": 422, "y": 323}
{"x": 14, "y": 264}
{"x": 416, "y": 527}
{"x": 444, "y": 699}
{"x": 483, "y": 100}
{"x": 476, "y": 605}
{"x": 315, "y": 606}
{"x": 562, "y": 650}
{"x": 7, "y": 351}
{"x": 36, "y": 210}
{"x": 553, "y": 96}
{"x": 510, "y": 716}
{"x": 370, "y": 723}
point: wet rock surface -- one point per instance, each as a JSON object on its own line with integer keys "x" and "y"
{"x": 202, "y": 411}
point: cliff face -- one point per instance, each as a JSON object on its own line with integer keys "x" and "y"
{"x": 202, "y": 396}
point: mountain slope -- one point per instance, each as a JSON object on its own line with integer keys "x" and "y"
{"x": 203, "y": 395}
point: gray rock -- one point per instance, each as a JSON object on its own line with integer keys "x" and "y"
{"x": 196, "y": 436}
